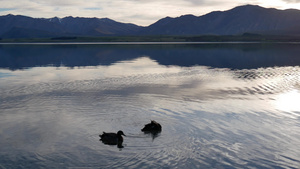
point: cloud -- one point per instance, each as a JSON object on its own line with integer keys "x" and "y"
{"x": 96, "y": 9}
{"x": 6, "y": 9}
{"x": 292, "y": 1}
{"x": 141, "y": 12}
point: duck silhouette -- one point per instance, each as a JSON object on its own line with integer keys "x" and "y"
{"x": 152, "y": 127}
{"x": 113, "y": 138}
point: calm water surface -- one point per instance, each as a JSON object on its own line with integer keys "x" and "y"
{"x": 220, "y": 106}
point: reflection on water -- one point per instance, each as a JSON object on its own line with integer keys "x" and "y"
{"x": 233, "y": 56}
{"x": 288, "y": 101}
{"x": 212, "y": 116}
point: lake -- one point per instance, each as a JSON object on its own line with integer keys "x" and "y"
{"x": 220, "y": 105}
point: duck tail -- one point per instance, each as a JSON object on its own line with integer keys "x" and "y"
{"x": 100, "y": 135}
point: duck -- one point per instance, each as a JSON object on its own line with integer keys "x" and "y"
{"x": 152, "y": 127}
{"x": 113, "y": 138}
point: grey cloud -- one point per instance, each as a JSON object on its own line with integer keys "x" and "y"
{"x": 292, "y": 1}
{"x": 198, "y": 2}
{"x": 6, "y": 9}
{"x": 93, "y": 9}
{"x": 141, "y": 12}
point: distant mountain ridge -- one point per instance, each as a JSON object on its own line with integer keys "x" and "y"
{"x": 18, "y": 26}
{"x": 239, "y": 20}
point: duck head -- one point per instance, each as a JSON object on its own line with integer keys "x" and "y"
{"x": 120, "y": 133}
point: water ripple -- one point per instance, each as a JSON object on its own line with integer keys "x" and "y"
{"x": 211, "y": 118}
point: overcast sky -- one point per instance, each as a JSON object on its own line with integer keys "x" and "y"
{"x": 140, "y": 12}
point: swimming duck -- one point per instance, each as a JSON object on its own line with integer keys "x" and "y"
{"x": 112, "y": 138}
{"x": 152, "y": 127}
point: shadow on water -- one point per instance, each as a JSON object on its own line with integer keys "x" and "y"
{"x": 233, "y": 56}
{"x": 153, "y": 134}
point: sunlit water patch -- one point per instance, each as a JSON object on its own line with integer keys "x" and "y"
{"x": 211, "y": 117}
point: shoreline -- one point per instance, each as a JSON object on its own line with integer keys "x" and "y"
{"x": 159, "y": 39}
{"x": 143, "y": 43}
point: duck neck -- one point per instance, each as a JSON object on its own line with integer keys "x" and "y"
{"x": 120, "y": 138}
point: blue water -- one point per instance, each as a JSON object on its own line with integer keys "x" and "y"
{"x": 220, "y": 105}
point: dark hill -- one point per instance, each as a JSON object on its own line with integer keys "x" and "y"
{"x": 237, "y": 21}
{"x": 248, "y": 18}
{"x": 17, "y": 26}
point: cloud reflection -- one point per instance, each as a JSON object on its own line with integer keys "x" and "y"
{"x": 288, "y": 101}
{"x": 143, "y": 75}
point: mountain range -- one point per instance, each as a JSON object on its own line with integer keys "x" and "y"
{"x": 236, "y": 21}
